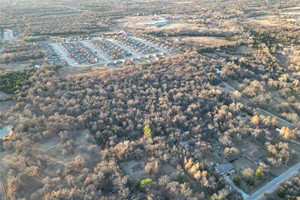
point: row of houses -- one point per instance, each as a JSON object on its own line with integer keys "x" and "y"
{"x": 111, "y": 50}
{"x": 136, "y": 45}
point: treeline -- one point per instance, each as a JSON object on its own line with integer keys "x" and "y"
{"x": 289, "y": 189}
{"x": 20, "y": 56}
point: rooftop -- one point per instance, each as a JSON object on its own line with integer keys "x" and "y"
{"x": 253, "y": 155}
{"x": 224, "y": 168}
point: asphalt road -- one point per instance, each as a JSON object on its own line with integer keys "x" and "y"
{"x": 275, "y": 183}
{"x": 264, "y": 111}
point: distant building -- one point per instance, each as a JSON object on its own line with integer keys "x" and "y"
{"x": 225, "y": 169}
{"x": 278, "y": 130}
{"x": 253, "y": 155}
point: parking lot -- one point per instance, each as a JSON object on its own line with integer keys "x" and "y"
{"x": 110, "y": 51}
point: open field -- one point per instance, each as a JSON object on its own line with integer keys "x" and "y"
{"x": 277, "y": 170}
{"x": 242, "y": 164}
{"x": 136, "y": 169}
{"x": 154, "y": 23}
{"x": 6, "y": 105}
{"x": 18, "y": 66}
{"x": 206, "y": 41}
{"x": 247, "y": 143}
{"x": 284, "y": 18}
{"x": 296, "y": 149}
{"x": 4, "y": 95}
{"x": 54, "y": 160}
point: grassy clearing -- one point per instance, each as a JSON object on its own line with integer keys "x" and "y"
{"x": 242, "y": 164}
{"x": 136, "y": 169}
{"x": 277, "y": 170}
{"x": 6, "y": 105}
{"x": 248, "y": 143}
{"x": 18, "y": 66}
{"x": 207, "y": 41}
{"x": 296, "y": 149}
{"x": 258, "y": 184}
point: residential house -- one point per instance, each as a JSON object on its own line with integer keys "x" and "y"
{"x": 225, "y": 169}
{"x": 253, "y": 155}
{"x": 271, "y": 135}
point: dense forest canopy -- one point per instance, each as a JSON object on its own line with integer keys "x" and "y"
{"x": 173, "y": 97}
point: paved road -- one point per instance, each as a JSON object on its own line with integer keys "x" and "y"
{"x": 269, "y": 187}
{"x": 278, "y": 118}
{"x": 296, "y": 142}
{"x": 245, "y": 196}
{"x": 262, "y": 110}
{"x": 275, "y": 183}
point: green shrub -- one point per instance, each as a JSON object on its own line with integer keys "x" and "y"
{"x": 281, "y": 192}
{"x": 259, "y": 174}
{"x": 180, "y": 179}
{"x": 250, "y": 181}
{"x": 148, "y": 131}
{"x": 229, "y": 38}
{"x": 237, "y": 181}
{"x": 145, "y": 182}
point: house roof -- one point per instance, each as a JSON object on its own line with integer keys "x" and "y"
{"x": 272, "y": 134}
{"x": 253, "y": 155}
{"x": 224, "y": 168}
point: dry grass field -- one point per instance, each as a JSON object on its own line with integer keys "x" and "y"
{"x": 207, "y": 41}
{"x": 6, "y": 105}
{"x": 136, "y": 169}
{"x": 18, "y": 66}
{"x": 53, "y": 159}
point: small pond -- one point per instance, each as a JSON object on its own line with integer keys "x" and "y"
{"x": 4, "y": 131}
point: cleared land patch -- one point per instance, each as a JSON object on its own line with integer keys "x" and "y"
{"x": 136, "y": 169}
{"x": 207, "y": 41}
